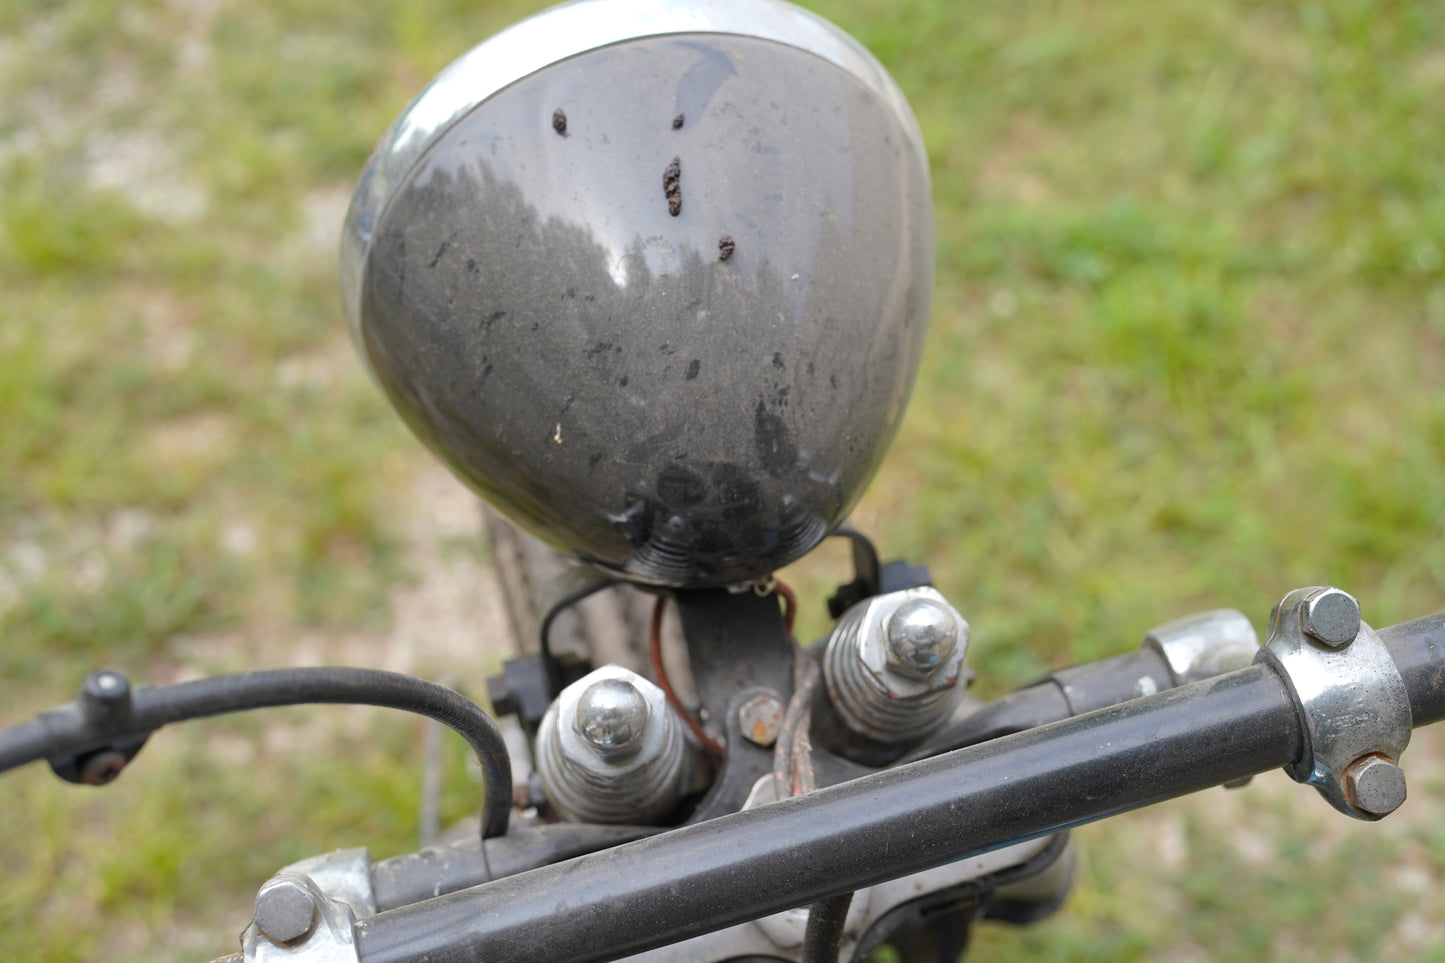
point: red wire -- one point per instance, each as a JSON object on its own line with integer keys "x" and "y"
{"x": 708, "y": 743}
{"x": 711, "y": 745}
{"x": 790, "y": 606}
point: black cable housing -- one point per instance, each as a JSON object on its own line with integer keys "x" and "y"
{"x": 77, "y": 728}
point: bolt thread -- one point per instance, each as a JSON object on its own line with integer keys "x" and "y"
{"x": 864, "y": 703}
{"x": 588, "y": 785}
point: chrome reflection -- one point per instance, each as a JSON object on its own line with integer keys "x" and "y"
{"x": 555, "y": 35}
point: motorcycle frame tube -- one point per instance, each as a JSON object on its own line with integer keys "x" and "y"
{"x": 746, "y": 865}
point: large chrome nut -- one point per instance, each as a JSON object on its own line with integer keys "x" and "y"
{"x": 921, "y": 635}
{"x": 912, "y": 642}
{"x": 894, "y": 662}
{"x": 609, "y": 750}
{"x": 612, "y": 716}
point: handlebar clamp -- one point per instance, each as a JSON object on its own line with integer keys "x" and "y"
{"x": 1353, "y": 705}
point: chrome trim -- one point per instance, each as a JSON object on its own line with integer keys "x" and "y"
{"x": 1204, "y": 644}
{"x": 556, "y": 34}
{"x": 1352, "y": 700}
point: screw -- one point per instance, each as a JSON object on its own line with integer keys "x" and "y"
{"x": 1375, "y": 785}
{"x": 1331, "y": 616}
{"x": 102, "y": 767}
{"x": 760, "y": 719}
{"x": 285, "y": 911}
{"x": 611, "y": 715}
{"x": 921, "y": 636}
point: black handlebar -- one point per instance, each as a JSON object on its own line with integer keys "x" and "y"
{"x": 708, "y": 875}
{"x": 703, "y": 877}
{"x": 842, "y": 838}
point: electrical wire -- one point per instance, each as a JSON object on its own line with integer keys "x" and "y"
{"x": 793, "y": 776}
{"x": 67, "y": 730}
{"x": 827, "y": 921}
{"x": 710, "y": 745}
{"x": 790, "y": 606}
{"x": 792, "y": 754}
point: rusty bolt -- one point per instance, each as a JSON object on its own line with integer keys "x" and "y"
{"x": 1332, "y": 617}
{"x": 285, "y": 911}
{"x": 1375, "y": 785}
{"x": 760, "y": 719}
{"x": 102, "y": 767}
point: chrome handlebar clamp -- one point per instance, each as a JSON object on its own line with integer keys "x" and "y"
{"x": 1353, "y": 704}
{"x": 307, "y": 912}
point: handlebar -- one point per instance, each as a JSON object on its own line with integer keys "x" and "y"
{"x": 842, "y": 838}
{"x": 706, "y": 876}
{"x": 1332, "y": 705}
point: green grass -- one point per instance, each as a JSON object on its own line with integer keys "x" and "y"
{"x": 1187, "y": 351}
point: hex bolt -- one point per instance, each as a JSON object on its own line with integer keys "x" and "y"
{"x": 1331, "y": 617}
{"x": 611, "y": 716}
{"x": 1375, "y": 785}
{"x": 760, "y": 719}
{"x": 285, "y": 911}
{"x": 102, "y": 767}
{"x": 921, "y": 636}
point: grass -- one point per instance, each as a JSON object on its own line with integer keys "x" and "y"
{"x": 1186, "y": 352}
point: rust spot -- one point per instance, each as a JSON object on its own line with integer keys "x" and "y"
{"x": 725, "y": 247}
{"x": 102, "y": 767}
{"x": 677, "y": 121}
{"x": 559, "y": 122}
{"x": 672, "y": 186}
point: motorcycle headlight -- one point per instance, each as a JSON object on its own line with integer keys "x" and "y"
{"x": 651, "y": 277}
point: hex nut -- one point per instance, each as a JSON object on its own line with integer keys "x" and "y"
{"x": 611, "y": 716}
{"x": 285, "y": 911}
{"x": 868, "y": 684}
{"x": 1331, "y": 616}
{"x": 760, "y": 719}
{"x": 1375, "y": 785}
{"x": 921, "y": 635}
{"x": 877, "y": 656}
{"x": 102, "y": 767}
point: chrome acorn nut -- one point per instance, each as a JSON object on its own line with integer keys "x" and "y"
{"x": 610, "y": 751}
{"x": 893, "y": 664}
{"x": 612, "y": 716}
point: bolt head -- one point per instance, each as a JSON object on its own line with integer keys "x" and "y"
{"x": 760, "y": 719}
{"x": 102, "y": 767}
{"x": 1331, "y": 617}
{"x": 285, "y": 911}
{"x": 921, "y": 636}
{"x": 611, "y": 715}
{"x": 1375, "y": 785}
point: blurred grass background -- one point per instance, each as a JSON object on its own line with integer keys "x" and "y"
{"x": 1186, "y": 353}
